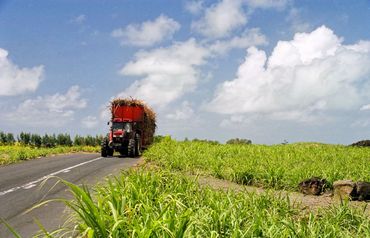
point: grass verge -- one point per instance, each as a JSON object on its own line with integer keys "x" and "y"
{"x": 142, "y": 203}
{"x": 15, "y": 153}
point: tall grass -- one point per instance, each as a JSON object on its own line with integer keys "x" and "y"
{"x": 165, "y": 204}
{"x": 15, "y": 153}
{"x": 277, "y": 166}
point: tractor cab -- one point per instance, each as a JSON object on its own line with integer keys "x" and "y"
{"x": 120, "y": 128}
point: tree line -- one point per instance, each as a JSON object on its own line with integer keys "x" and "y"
{"x": 49, "y": 140}
{"x": 237, "y": 141}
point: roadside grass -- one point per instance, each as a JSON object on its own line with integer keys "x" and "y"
{"x": 14, "y": 153}
{"x": 159, "y": 203}
{"x": 275, "y": 166}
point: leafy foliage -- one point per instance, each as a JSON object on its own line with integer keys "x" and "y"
{"x": 239, "y": 141}
{"x": 30, "y": 146}
{"x": 142, "y": 203}
{"x": 276, "y": 166}
{"x": 6, "y": 138}
{"x": 35, "y": 140}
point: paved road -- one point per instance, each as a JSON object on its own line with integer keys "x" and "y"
{"x": 20, "y": 187}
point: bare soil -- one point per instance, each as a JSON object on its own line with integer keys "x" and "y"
{"x": 307, "y": 203}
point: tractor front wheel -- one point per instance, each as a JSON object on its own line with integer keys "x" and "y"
{"x": 137, "y": 145}
{"x": 131, "y": 149}
{"x": 104, "y": 148}
{"x": 110, "y": 152}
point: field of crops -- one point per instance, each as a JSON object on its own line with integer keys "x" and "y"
{"x": 277, "y": 166}
{"x": 15, "y": 153}
{"x": 160, "y": 199}
{"x": 148, "y": 203}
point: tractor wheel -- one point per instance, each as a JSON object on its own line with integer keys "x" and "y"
{"x": 110, "y": 152}
{"x": 137, "y": 145}
{"x": 131, "y": 150}
{"x": 104, "y": 148}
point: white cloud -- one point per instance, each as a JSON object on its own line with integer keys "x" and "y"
{"x": 168, "y": 73}
{"x": 279, "y": 4}
{"x": 221, "y": 19}
{"x": 296, "y": 21}
{"x": 15, "y": 80}
{"x": 183, "y": 113}
{"x": 90, "y": 122}
{"x": 79, "y": 19}
{"x": 365, "y": 107}
{"x": 226, "y": 16}
{"x": 50, "y": 110}
{"x": 194, "y": 7}
{"x": 234, "y": 121}
{"x": 104, "y": 113}
{"x": 148, "y": 33}
{"x": 252, "y": 37}
{"x": 310, "y": 74}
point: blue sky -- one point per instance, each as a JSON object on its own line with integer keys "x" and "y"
{"x": 264, "y": 70}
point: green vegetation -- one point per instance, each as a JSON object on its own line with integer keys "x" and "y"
{"x": 29, "y": 146}
{"x": 239, "y": 141}
{"x": 277, "y": 166}
{"x": 142, "y": 203}
{"x": 15, "y": 153}
{"x": 35, "y": 140}
{"x": 162, "y": 200}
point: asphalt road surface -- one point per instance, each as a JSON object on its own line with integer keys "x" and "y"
{"x": 20, "y": 188}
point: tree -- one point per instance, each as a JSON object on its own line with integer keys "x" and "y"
{"x": 99, "y": 139}
{"x": 10, "y": 139}
{"x": 78, "y": 140}
{"x": 64, "y": 140}
{"x": 36, "y": 140}
{"x": 238, "y": 141}
{"x": 3, "y": 139}
{"x": 24, "y": 138}
{"x": 89, "y": 140}
{"x": 53, "y": 140}
{"x": 48, "y": 141}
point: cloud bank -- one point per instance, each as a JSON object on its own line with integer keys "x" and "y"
{"x": 168, "y": 73}
{"x": 184, "y": 112}
{"x": 50, "y": 110}
{"x": 221, "y": 19}
{"x": 15, "y": 80}
{"x": 314, "y": 72}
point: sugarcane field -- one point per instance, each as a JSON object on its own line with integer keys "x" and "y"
{"x": 191, "y": 118}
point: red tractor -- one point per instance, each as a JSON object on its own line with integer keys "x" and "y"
{"x": 131, "y": 128}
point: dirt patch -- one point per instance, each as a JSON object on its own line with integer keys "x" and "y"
{"x": 304, "y": 202}
{"x": 307, "y": 203}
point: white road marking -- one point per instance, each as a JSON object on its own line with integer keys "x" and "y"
{"x": 33, "y": 183}
{"x": 29, "y": 186}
